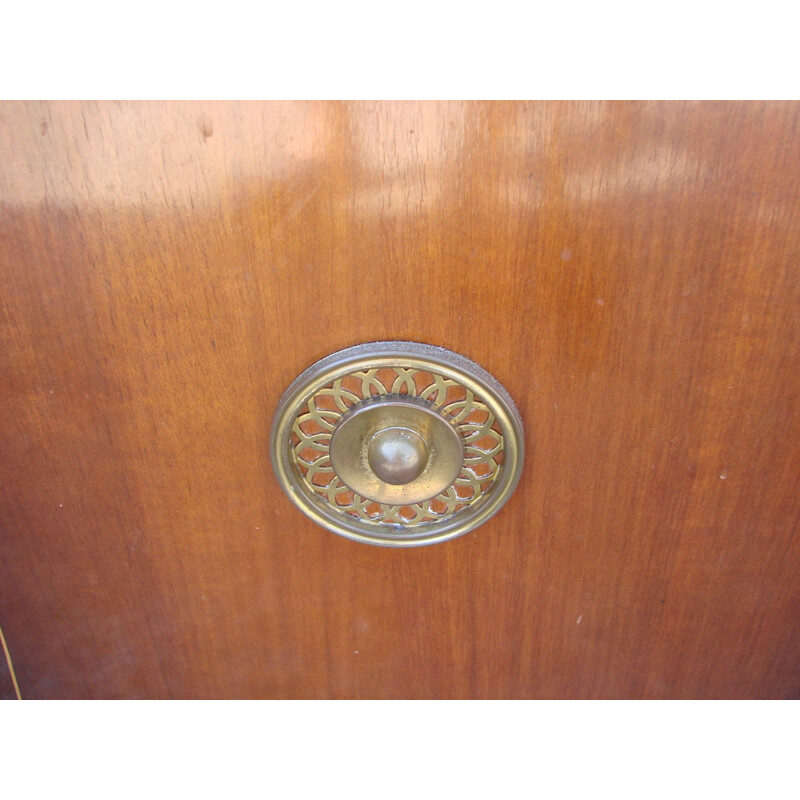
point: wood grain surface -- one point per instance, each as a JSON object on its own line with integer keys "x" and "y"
{"x": 629, "y": 271}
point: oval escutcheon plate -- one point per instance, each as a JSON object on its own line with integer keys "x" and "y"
{"x": 397, "y": 444}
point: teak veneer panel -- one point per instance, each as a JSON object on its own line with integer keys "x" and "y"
{"x": 629, "y": 271}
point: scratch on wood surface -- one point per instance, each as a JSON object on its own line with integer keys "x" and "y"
{"x": 10, "y": 665}
{"x": 293, "y": 211}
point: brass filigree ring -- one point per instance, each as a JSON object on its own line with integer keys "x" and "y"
{"x": 397, "y": 443}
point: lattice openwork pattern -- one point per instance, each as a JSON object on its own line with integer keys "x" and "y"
{"x": 480, "y": 432}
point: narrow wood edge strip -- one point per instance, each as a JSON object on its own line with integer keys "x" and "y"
{"x": 10, "y": 665}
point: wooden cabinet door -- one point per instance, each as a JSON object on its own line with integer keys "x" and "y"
{"x": 629, "y": 271}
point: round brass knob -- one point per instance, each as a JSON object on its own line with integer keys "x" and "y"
{"x": 397, "y": 443}
{"x": 397, "y": 455}
{"x": 396, "y": 449}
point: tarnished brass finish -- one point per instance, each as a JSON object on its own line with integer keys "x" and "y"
{"x": 400, "y": 435}
{"x": 397, "y": 443}
{"x": 397, "y": 455}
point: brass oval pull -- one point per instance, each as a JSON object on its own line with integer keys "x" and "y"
{"x": 397, "y": 443}
{"x": 396, "y": 450}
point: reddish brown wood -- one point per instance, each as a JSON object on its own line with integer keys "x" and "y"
{"x": 629, "y": 271}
